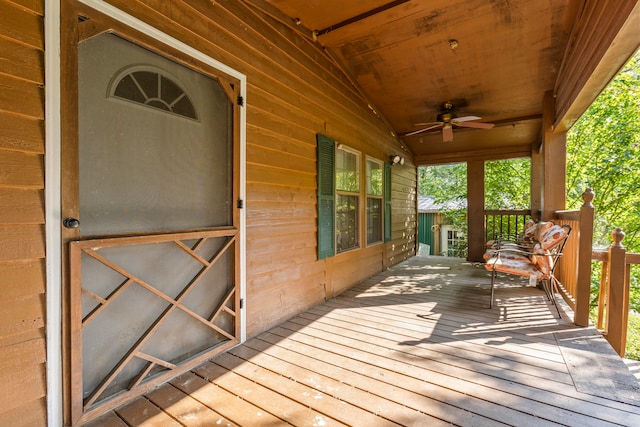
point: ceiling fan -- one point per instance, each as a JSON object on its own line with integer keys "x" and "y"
{"x": 447, "y": 120}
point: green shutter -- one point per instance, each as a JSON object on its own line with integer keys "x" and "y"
{"x": 387, "y": 202}
{"x": 326, "y": 197}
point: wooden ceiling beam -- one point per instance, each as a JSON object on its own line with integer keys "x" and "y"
{"x": 360, "y": 17}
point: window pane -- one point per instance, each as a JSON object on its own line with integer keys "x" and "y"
{"x": 347, "y": 171}
{"x": 346, "y": 222}
{"x": 374, "y": 178}
{"x": 374, "y": 220}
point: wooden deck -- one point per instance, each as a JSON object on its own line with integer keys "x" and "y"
{"x": 415, "y": 345}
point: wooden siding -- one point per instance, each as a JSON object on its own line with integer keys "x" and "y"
{"x": 22, "y": 269}
{"x": 294, "y": 91}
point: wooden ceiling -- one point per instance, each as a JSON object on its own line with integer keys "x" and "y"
{"x": 507, "y": 55}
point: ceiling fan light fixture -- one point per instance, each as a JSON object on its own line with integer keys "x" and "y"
{"x": 453, "y": 44}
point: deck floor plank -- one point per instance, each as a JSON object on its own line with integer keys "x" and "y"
{"x": 143, "y": 413}
{"x": 489, "y": 402}
{"x": 414, "y": 345}
{"x": 257, "y": 392}
{"x": 455, "y": 357}
{"x": 186, "y": 409}
{"x": 295, "y": 391}
{"x": 227, "y": 404}
{"x": 389, "y": 387}
{"x": 329, "y": 379}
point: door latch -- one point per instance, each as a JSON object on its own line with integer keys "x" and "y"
{"x": 71, "y": 223}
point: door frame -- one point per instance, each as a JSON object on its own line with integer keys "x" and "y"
{"x": 57, "y": 399}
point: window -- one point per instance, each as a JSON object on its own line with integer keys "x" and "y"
{"x": 339, "y": 198}
{"x": 374, "y": 201}
{"x": 152, "y": 88}
{"x": 347, "y": 199}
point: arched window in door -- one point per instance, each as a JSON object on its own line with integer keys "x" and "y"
{"x": 153, "y": 88}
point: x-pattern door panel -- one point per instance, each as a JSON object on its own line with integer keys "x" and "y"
{"x": 133, "y": 329}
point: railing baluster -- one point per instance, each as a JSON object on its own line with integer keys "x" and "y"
{"x": 618, "y": 301}
{"x": 602, "y": 297}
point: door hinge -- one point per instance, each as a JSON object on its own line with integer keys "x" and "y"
{"x": 241, "y": 303}
{"x": 240, "y": 100}
{"x": 240, "y": 204}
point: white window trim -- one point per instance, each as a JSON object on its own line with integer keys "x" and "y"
{"x": 373, "y": 196}
{"x": 358, "y": 154}
{"x": 53, "y": 217}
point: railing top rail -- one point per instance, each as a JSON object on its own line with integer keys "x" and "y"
{"x": 603, "y": 255}
{"x": 568, "y": 215}
{"x": 507, "y": 211}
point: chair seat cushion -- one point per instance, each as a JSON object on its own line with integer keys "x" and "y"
{"x": 513, "y": 264}
{"x": 552, "y": 236}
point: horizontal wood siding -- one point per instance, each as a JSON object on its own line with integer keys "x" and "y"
{"x": 404, "y": 215}
{"x": 22, "y": 269}
{"x": 295, "y": 91}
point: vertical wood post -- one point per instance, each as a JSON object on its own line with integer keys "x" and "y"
{"x": 475, "y": 210}
{"x": 618, "y": 301}
{"x": 554, "y": 149}
{"x": 537, "y": 178}
{"x": 585, "y": 248}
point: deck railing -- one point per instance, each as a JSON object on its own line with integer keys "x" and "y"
{"x": 574, "y": 269}
{"x": 613, "y": 300}
{"x": 502, "y": 222}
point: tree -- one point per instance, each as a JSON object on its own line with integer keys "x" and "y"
{"x": 603, "y": 152}
{"x": 507, "y": 184}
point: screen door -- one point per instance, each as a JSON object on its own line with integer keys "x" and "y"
{"x": 154, "y": 268}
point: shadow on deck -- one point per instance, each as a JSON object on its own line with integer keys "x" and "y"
{"x": 414, "y": 345}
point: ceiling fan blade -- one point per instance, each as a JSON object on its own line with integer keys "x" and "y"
{"x": 427, "y": 124}
{"x": 476, "y": 125}
{"x": 415, "y": 132}
{"x": 447, "y": 134}
{"x": 466, "y": 118}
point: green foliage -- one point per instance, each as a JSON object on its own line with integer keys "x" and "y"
{"x": 603, "y": 152}
{"x": 633, "y": 336}
{"x": 507, "y": 184}
{"x": 444, "y": 182}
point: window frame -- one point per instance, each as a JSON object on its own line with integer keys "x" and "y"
{"x": 326, "y": 198}
{"x": 372, "y": 196}
{"x": 347, "y": 193}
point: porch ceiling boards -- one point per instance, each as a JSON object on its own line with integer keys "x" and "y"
{"x": 507, "y": 55}
{"x": 415, "y": 345}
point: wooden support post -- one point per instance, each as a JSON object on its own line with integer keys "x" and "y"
{"x": 585, "y": 248}
{"x": 554, "y": 148}
{"x": 537, "y": 178}
{"x": 618, "y": 301}
{"x": 475, "y": 210}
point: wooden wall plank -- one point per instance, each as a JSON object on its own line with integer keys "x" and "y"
{"x": 21, "y": 170}
{"x": 282, "y": 227}
{"x": 21, "y": 97}
{"x": 24, "y": 314}
{"x": 19, "y": 242}
{"x": 21, "y": 61}
{"x": 18, "y": 357}
{"x": 22, "y": 386}
{"x": 20, "y": 133}
{"x": 271, "y": 175}
{"x": 18, "y": 206}
{"x": 22, "y": 25}
{"x": 273, "y": 157}
{"x": 32, "y": 413}
{"x": 21, "y": 278}
{"x": 35, "y": 6}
